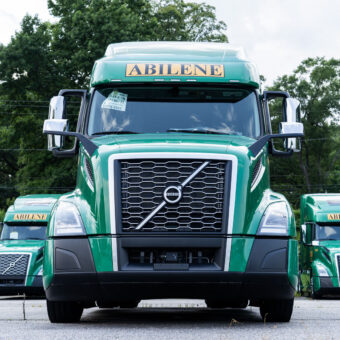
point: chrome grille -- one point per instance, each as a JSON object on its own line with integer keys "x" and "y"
{"x": 13, "y": 264}
{"x": 200, "y": 209}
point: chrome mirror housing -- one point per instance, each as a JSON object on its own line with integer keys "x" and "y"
{"x": 57, "y": 107}
{"x": 292, "y": 124}
{"x": 50, "y": 125}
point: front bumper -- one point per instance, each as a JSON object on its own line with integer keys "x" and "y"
{"x": 137, "y": 286}
{"x": 75, "y": 277}
{"x": 326, "y": 286}
{"x": 36, "y": 289}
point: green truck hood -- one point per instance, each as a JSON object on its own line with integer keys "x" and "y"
{"x": 93, "y": 203}
{"x": 17, "y": 246}
{"x": 141, "y": 142}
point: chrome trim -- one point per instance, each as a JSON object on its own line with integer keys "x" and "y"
{"x": 171, "y": 155}
{"x": 163, "y": 203}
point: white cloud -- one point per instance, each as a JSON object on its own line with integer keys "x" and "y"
{"x": 12, "y": 12}
{"x": 278, "y": 34}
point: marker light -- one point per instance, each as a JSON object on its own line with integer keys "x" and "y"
{"x": 275, "y": 220}
{"x": 67, "y": 220}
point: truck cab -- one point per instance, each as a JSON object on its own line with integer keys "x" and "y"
{"x": 320, "y": 244}
{"x": 22, "y": 242}
{"x": 173, "y": 197}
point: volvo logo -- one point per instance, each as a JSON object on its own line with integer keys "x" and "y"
{"x": 172, "y": 194}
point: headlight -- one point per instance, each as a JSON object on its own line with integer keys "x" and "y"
{"x": 322, "y": 271}
{"x": 67, "y": 220}
{"x": 275, "y": 219}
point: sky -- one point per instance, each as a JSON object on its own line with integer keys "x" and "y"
{"x": 277, "y": 34}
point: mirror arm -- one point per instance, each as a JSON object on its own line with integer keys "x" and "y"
{"x": 259, "y": 144}
{"x": 89, "y": 146}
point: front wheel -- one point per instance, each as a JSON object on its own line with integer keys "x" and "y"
{"x": 277, "y": 310}
{"x": 64, "y": 311}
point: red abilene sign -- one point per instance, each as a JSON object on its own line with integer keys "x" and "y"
{"x": 178, "y": 70}
{"x": 34, "y": 217}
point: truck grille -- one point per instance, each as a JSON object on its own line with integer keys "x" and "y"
{"x": 200, "y": 208}
{"x": 338, "y": 262}
{"x": 13, "y": 264}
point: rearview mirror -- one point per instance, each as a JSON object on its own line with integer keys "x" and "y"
{"x": 292, "y": 123}
{"x": 54, "y": 141}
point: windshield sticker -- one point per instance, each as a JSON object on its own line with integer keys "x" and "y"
{"x": 333, "y": 217}
{"x": 34, "y": 217}
{"x": 176, "y": 70}
{"x": 115, "y": 101}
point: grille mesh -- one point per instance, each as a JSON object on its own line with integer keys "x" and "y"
{"x": 142, "y": 186}
{"x": 13, "y": 264}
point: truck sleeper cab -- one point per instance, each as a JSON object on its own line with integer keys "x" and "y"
{"x": 320, "y": 245}
{"x": 21, "y": 245}
{"x": 172, "y": 197}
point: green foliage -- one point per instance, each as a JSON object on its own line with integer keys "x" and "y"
{"x": 316, "y": 83}
{"x": 43, "y": 58}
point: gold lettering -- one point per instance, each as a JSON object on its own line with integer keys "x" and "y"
{"x": 333, "y": 217}
{"x": 150, "y": 69}
{"x": 180, "y": 70}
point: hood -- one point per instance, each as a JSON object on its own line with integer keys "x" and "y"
{"x": 25, "y": 246}
{"x": 250, "y": 176}
{"x": 173, "y": 142}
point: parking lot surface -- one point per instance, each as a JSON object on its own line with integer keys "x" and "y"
{"x": 170, "y": 319}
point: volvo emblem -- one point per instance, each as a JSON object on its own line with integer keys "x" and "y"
{"x": 172, "y": 194}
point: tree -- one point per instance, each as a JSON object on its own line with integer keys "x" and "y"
{"x": 42, "y": 58}
{"x": 86, "y": 27}
{"x": 316, "y": 83}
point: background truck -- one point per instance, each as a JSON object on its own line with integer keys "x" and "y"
{"x": 320, "y": 244}
{"x": 21, "y": 245}
{"x": 172, "y": 197}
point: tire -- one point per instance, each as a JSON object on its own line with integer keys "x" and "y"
{"x": 277, "y": 310}
{"x": 64, "y": 312}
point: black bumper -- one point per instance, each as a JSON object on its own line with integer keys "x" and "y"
{"x": 136, "y": 286}
{"x": 327, "y": 288}
{"x": 76, "y": 279}
{"x": 36, "y": 289}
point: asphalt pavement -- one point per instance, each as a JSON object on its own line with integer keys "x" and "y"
{"x": 170, "y": 319}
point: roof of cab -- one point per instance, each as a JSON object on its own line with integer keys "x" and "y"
{"x": 30, "y": 207}
{"x": 320, "y": 207}
{"x": 112, "y": 68}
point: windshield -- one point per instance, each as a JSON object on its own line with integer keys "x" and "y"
{"x": 327, "y": 232}
{"x": 23, "y": 232}
{"x": 175, "y": 109}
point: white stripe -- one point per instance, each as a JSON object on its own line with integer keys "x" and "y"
{"x": 172, "y": 155}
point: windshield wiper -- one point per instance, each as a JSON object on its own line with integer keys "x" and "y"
{"x": 198, "y": 130}
{"x": 114, "y": 133}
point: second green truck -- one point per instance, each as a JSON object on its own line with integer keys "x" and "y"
{"x": 320, "y": 244}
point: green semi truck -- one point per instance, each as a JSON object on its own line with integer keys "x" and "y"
{"x": 173, "y": 198}
{"x": 320, "y": 244}
{"x": 21, "y": 245}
